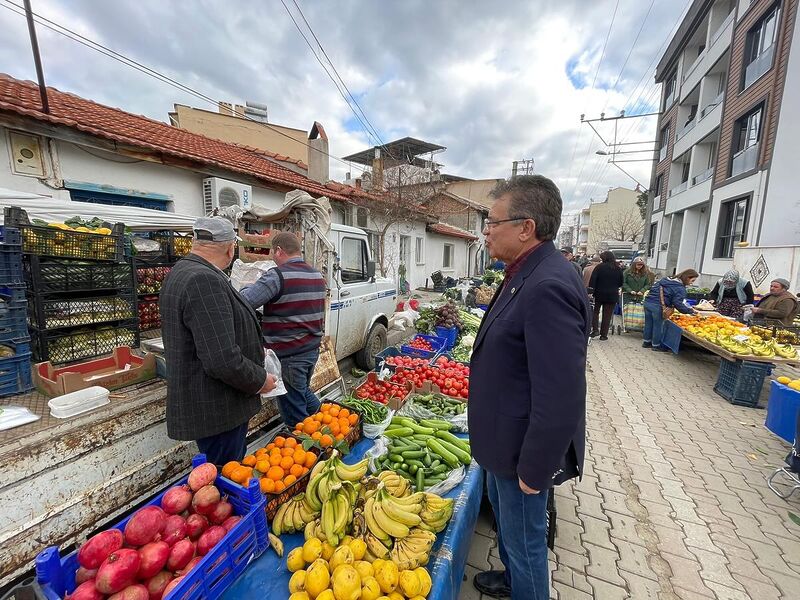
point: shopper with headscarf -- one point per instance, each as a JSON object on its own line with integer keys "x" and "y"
{"x": 731, "y": 293}
{"x": 779, "y": 307}
{"x": 637, "y": 279}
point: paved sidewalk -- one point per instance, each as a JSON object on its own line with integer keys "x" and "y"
{"x": 674, "y": 502}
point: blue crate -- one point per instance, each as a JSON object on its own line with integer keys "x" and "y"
{"x": 10, "y": 236}
{"x": 784, "y": 404}
{"x": 211, "y": 576}
{"x": 15, "y": 371}
{"x": 393, "y": 351}
{"x": 449, "y": 334}
{"x": 10, "y": 266}
{"x": 13, "y": 320}
{"x": 740, "y": 382}
{"x": 10, "y": 293}
{"x": 436, "y": 343}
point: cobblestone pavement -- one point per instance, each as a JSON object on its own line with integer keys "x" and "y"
{"x": 674, "y": 502}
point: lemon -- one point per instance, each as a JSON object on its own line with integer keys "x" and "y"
{"x": 364, "y": 569}
{"x": 359, "y": 548}
{"x": 343, "y": 555}
{"x": 784, "y": 380}
{"x": 409, "y": 584}
{"x": 294, "y": 561}
{"x": 795, "y": 385}
{"x": 318, "y": 578}
{"x": 297, "y": 583}
{"x": 346, "y": 583}
{"x": 312, "y": 550}
{"x": 346, "y": 540}
{"x": 424, "y": 580}
{"x": 370, "y": 590}
{"x": 396, "y": 596}
{"x": 326, "y": 595}
{"x": 299, "y": 596}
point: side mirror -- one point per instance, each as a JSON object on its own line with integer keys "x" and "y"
{"x": 370, "y": 269}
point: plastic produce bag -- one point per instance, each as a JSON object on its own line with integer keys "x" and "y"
{"x": 373, "y": 431}
{"x": 415, "y": 411}
{"x": 244, "y": 274}
{"x": 14, "y": 416}
{"x": 379, "y": 449}
{"x": 272, "y": 364}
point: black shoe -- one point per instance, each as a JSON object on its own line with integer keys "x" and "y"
{"x": 660, "y": 349}
{"x": 594, "y": 334}
{"x": 603, "y": 338}
{"x": 647, "y": 345}
{"x": 492, "y": 583}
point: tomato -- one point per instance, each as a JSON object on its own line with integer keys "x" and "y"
{"x": 362, "y": 394}
{"x": 464, "y": 393}
{"x": 452, "y": 392}
{"x": 459, "y": 385}
{"x": 381, "y": 398}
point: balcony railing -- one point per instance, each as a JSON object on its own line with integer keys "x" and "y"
{"x": 686, "y": 129}
{"x": 722, "y": 27}
{"x": 745, "y": 160}
{"x": 678, "y": 189}
{"x": 662, "y": 154}
{"x": 759, "y": 66}
{"x": 657, "y": 201}
{"x": 712, "y": 105}
{"x": 704, "y": 176}
{"x": 693, "y": 66}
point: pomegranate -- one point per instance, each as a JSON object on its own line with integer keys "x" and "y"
{"x": 153, "y": 558}
{"x": 192, "y": 564}
{"x": 202, "y": 476}
{"x": 222, "y": 511}
{"x": 174, "y": 529}
{"x": 205, "y": 499}
{"x": 144, "y": 526}
{"x": 180, "y": 554}
{"x": 86, "y": 591}
{"x": 172, "y": 585}
{"x": 210, "y": 538}
{"x": 195, "y": 526}
{"x": 118, "y": 571}
{"x": 84, "y": 574}
{"x": 176, "y": 499}
{"x": 230, "y": 522}
{"x": 98, "y": 547}
{"x": 157, "y": 584}
{"x": 132, "y": 592}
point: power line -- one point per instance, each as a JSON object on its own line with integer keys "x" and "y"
{"x": 96, "y": 46}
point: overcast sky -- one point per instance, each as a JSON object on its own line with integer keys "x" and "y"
{"x": 491, "y": 81}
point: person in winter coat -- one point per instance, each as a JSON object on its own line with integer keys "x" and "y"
{"x": 730, "y": 294}
{"x": 779, "y": 307}
{"x": 605, "y": 282}
{"x": 636, "y": 280}
{"x": 588, "y": 269}
{"x": 673, "y": 290}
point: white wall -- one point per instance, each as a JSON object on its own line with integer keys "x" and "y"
{"x": 434, "y": 253}
{"x": 782, "y": 206}
{"x": 781, "y": 262}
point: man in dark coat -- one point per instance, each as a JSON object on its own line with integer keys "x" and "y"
{"x": 214, "y": 353}
{"x": 527, "y": 398}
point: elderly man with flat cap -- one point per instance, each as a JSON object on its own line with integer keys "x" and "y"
{"x": 212, "y": 342}
{"x": 779, "y": 307}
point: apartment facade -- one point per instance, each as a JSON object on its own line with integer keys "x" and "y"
{"x": 726, "y": 136}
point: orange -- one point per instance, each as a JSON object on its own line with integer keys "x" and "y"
{"x": 344, "y": 423}
{"x": 286, "y": 463}
{"x": 305, "y": 470}
{"x": 279, "y": 487}
{"x": 291, "y": 442}
{"x": 345, "y": 429}
{"x": 270, "y": 446}
{"x": 267, "y": 485}
{"x": 263, "y": 466}
{"x": 327, "y": 419}
{"x": 249, "y": 460}
{"x": 344, "y": 413}
{"x": 296, "y": 470}
{"x": 334, "y": 426}
{"x": 352, "y": 419}
{"x": 287, "y": 451}
{"x": 325, "y": 407}
{"x": 311, "y": 458}
{"x": 260, "y": 452}
{"x": 334, "y": 411}
{"x": 275, "y": 473}
{"x": 316, "y": 435}
{"x": 241, "y": 474}
{"x": 325, "y": 441}
{"x": 299, "y": 426}
{"x": 274, "y": 460}
{"x": 289, "y": 480}
{"x": 339, "y": 436}
{"x": 228, "y": 468}
{"x": 279, "y": 441}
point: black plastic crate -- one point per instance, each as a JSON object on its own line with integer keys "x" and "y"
{"x": 64, "y": 243}
{"x": 63, "y": 347}
{"x": 150, "y": 276}
{"x": 174, "y": 245}
{"x": 48, "y": 312}
{"x": 13, "y": 320}
{"x": 741, "y": 382}
{"x": 149, "y": 313}
{"x": 51, "y": 276}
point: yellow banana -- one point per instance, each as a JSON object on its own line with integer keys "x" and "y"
{"x": 405, "y": 515}
{"x": 342, "y": 512}
{"x": 277, "y": 520}
{"x": 372, "y": 524}
{"x": 390, "y": 526}
{"x": 351, "y": 472}
{"x": 276, "y": 544}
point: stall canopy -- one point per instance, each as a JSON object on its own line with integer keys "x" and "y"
{"x": 52, "y": 210}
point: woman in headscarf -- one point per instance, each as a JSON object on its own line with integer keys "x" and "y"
{"x": 637, "y": 279}
{"x": 730, "y": 294}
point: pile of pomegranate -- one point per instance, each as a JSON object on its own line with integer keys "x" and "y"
{"x": 159, "y": 546}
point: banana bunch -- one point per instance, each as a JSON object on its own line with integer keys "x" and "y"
{"x": 733, "y": 346}
{"x": 293, "y": 515}
{"x": 397, "y": 486}
{"x": 376, "y": 548}
{"x": 413, "y": 550}
{"x": 436, "y": 512}
{"x": 784, "y": 350}
{"x": 327, "y": 473}
{"x": 759, "y": 347}
{"x": 389, "y": 517}
{"x": 337, "y": 512}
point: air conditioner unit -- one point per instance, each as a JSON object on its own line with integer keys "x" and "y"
{"x": 221, "y": 193}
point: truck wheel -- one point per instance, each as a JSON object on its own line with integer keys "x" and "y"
{"x": 376, "y": 341}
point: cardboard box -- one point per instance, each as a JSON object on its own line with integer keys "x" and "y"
{"x": 396, "y": 402}
{"x": 431, "y": 388}
{"x": 121, "y": 369}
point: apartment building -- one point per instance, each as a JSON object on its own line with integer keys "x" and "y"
{"x": 728, "y": 136}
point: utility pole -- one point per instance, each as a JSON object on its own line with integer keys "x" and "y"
{"x": 37, "y": 60}
{"x": 522, "y": 167}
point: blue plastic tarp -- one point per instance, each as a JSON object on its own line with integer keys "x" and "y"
{"x": 267, "y": 576}
{"x": 672, "y": 336}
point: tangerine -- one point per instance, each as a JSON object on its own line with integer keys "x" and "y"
{"x": 326, "y": 441}
{"x": 267, "y": 485}
{"x": 274, "y": 460}
{"x": 228, "y": 468}
{"x": 280, "y": 441}
{"x": 316, "y": 435}
{"x": 287, "y": 451}
{"x": 344, "y": 413}
{"x": 305, "y": 470}
{"x": 352, "y": 419}
{"x": 296, "y": 470}
{"x": 291, "y": 442}
{"x": 339, "y": 436}
{"x": 289, "y": 480}
{"x": 275, "y": 473}
{"x": 279, "y": 487}
{"x": 286, "y": 463}
{"x": 311, "y": 458}
{"x": 249, "y": 460}
{"x": 334, "y": 411}
{"x": 241, "y": 474}
{"x": 263, "y": 466}
{"x": 318, "y": 417}
{"x": 327, "y": 419}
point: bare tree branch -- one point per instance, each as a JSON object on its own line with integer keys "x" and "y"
{"x": 624, "y": 225}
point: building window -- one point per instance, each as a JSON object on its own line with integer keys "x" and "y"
{"x": 353, "y": 261}
{"x": 759, "y": 49}
{"x": 670, "y": 84}
{"x": 651, "y": 240}
{"x": 419, "y": 251}
{"x": 664, "y": 143}
{"x": 732, "y": 227}
{"x": 746, "y": 138}
{"x": 447, "y": 256}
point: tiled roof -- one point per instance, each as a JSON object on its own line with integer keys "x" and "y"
{"x": 22, "y": 97}
{"x": 451, "y": 231}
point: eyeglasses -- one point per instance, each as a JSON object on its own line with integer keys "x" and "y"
{"x": 491, "y": 224}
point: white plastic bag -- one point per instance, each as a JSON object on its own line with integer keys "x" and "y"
{"x": 14, "y": 416}
{"x": 373, "y": 431}
{"x": 272, "y": 365}
{"x": 379, "y": 449}
{"x": 244, "y": 274}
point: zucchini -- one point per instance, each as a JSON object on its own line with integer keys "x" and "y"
{"x": 399, "y": 432}
{"x": 436, "y": 424}
{"x": 447, "y": 456}
{"x": 420, "y": 480}
{"x": 463, "y": 456}
{"x": 413, "y": 454}
{"x": 452, "y": 439}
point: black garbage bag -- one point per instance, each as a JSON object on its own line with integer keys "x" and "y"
{"x": 793, "y": 459}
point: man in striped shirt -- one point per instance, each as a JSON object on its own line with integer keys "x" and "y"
{"x": 293, "y": 299}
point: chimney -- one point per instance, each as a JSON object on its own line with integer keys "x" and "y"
{"x": 318, "y": 158}
{"x": 377, "y": 170}
{"x": 358, "y": 183}
{"x": 226, "y": 108}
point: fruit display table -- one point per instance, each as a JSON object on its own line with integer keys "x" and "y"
{"x": 267, "y": 576}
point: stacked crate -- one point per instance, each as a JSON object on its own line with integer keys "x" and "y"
{"x": 15, "y": 354}
{"x": 81, "y": 293}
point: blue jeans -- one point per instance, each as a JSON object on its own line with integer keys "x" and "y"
{"x": 299, "y": 401}
{"x": 653, "y": 325}
{"x": 225, "y": 446}
{"x": 521, "y": 537}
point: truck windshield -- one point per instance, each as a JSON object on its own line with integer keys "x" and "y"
{"x": 623, "y": 254}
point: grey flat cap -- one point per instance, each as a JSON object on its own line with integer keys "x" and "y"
{"x": 784, "y": 282}
{"x": 214, "y": 229}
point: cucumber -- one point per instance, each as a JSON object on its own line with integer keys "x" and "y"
{"x": 417, "y": 463}
{"x": 413, "y": 469}
{"x": 463, "y": 456}
{"x": 455, "y": 441}
{"x": 447, "y": 456}
{"x": 396, "y": 458}
{"x": 420, "y": 480}
{"x": 435, "y": 463}
{"x": 405, "y": 475}
{"x": 427, "y": 458}
{"x": 436, "y": 424}
{"x": 411, "y": 423}
{"x": 434, "y": 479}
{"x": 399, "y": 432}
{"x": 413, "y": 454}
